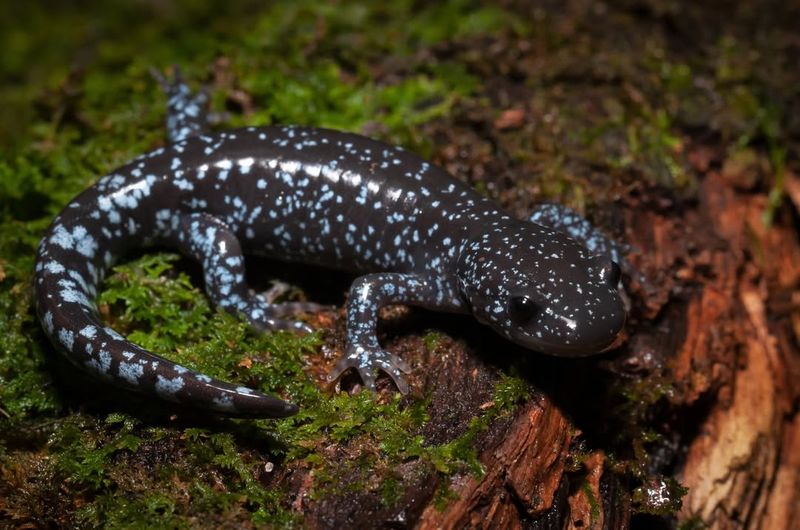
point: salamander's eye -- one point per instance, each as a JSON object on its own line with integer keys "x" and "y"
{"x": 522, "y": 308}
{"x": 610, "y": 273}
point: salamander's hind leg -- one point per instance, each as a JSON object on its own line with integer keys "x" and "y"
{"x": 187, "y": 112}
{"x": 212, "y": 243}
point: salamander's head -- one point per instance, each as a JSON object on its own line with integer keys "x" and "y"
{"x": 542, "y": 290}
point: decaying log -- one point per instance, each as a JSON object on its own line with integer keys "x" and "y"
{"x": 736, "y": 375}
{"x": 742, "y": 467}
{"x": 523, "y": 473}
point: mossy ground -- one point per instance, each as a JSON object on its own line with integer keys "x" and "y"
{"x": 78, "y": 100}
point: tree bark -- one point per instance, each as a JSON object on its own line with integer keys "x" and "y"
{"x": 742, "y": 466}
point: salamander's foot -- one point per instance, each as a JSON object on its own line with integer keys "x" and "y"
{"x": 367, "y": 361}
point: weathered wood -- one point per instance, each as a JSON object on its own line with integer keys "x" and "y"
{"x": 741, "y": 468}
{"x": 523, "y": 474}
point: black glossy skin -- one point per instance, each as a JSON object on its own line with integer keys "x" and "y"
{"x": 317, "y": 196}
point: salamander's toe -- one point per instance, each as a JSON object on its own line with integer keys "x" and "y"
{"x": 392, "y": 370}
{"x": 368, "y": 363}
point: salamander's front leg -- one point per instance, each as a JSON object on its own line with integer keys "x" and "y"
{"x": 569, "y": 222}
{"x": 367, "y": 295}
{"x": 210, "y": 241}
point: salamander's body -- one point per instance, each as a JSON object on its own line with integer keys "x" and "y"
{"x": 325, "y": 197}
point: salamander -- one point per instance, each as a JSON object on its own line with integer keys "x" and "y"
{"x": 416, "y": 236}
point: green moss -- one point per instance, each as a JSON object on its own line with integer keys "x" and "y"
{"x": 644, "y": 139}
{"x": 461, "y": 454}
{"x": 221, "y": 451}
{"x": 509, "y": 391}
{"x": 432, "y": 340}
{"x": 153, "y": 510}
{"x": 84, "y": 450}
{"x": 594, "y": 502}
{"x": 443, "y": 497}
{"x": 157, "y": 311}
{"x": 391, "y": 489}
{"x": 160, "y": 309}
{"x": 25, "y": 384}
{"x": 637, "y": 399}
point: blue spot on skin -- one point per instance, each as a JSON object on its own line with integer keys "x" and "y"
{"x": 66, "y": 338}
{"x": 224, "y": 403}
{"x": 114, "y": 335}
{"x": 131, "y": 372}
{"x": 168, "y": 387}
{"x": 102, "y": 364}
{"x": 89, "y": 332}
{"x": 54, "y": 267}
{"x": 48, "y": 322}
{"x": 79, "y": 240}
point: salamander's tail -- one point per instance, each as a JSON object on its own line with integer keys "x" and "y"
{"x": 70, "y": 265}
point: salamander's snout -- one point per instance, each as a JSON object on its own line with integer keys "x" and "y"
{"x": 578, "y": 310}
{"x": 601, "y": 332}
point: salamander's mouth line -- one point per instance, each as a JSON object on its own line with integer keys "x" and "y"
{"x": 587, "y": 351}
